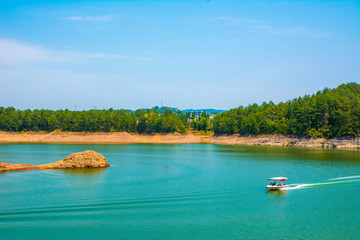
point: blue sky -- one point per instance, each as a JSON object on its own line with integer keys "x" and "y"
{"x": 189, "y": 54}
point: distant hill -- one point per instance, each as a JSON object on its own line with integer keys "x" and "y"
{"x": 160, "y": 110}
{"x": 208, "y": 110}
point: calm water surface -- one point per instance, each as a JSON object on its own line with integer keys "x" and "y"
{"x": 191, "y": 191}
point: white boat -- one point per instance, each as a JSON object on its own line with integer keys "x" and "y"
{"x": 277, "y": 183}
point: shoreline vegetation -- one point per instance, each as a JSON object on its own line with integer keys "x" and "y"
{"x": 59, "y": 137}
{"x": 330, "y": 118}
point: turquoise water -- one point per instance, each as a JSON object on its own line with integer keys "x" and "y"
{"x": 191, "y": 191}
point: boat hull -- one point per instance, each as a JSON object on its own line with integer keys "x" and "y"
{"x": 270, "y": 187}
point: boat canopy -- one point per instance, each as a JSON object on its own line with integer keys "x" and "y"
{"x": 278, "y": 179}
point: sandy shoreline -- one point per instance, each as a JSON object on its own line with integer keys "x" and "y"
{"x": 95, "y": 137}
{"x": 175, "y": 138}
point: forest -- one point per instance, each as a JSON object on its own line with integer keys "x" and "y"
{"x": 328, "y": 113}
{"x": 140, "y": 121}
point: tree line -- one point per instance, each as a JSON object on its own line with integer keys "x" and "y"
{"x": 328, "y": 113}
{"x": 140, "y": 121}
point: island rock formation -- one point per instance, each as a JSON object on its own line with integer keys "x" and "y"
{"x": 86, "y": 159}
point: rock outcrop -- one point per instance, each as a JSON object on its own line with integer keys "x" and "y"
{"x": 86, "y": 159}
{"x": 6, "y": 167}
{"x": 346, "y": 142}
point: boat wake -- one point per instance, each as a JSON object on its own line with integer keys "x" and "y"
{"x": 340, "y": 178}
{"x": 331, "y": 181}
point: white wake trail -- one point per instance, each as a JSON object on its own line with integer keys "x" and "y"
{"x": 349, "y": 177}
{"x": 305, "y": 185}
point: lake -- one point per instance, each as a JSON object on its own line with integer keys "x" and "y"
{"x": 189, "y": 191}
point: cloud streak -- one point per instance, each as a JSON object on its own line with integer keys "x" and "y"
{"x": 89, "y": 18}
{"x": 233, "y": 21}
{"x": 293, "y": 31}
{"x": 13, "y": 52}
{"x": 16, "y": 52}
{"x": 270, "y": 29}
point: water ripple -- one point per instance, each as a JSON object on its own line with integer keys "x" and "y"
{"x": 121, "y": 204}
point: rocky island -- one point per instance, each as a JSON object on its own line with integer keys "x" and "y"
{"x": 86, "y": 159}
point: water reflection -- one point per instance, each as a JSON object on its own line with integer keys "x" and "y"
{"x": 276, "y": 193}
{"x": 84, "y": 171}
{"x": 279, "y": 152}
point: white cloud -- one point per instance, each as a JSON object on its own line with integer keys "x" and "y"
{"x": 293, "y": 31}
{"x": 79, "y": 55}
{"x": 88, "y": 18}
{"x": 233, "y": 21}
{"x": 271, "y": 29}
{"x": 13, "y": 52}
